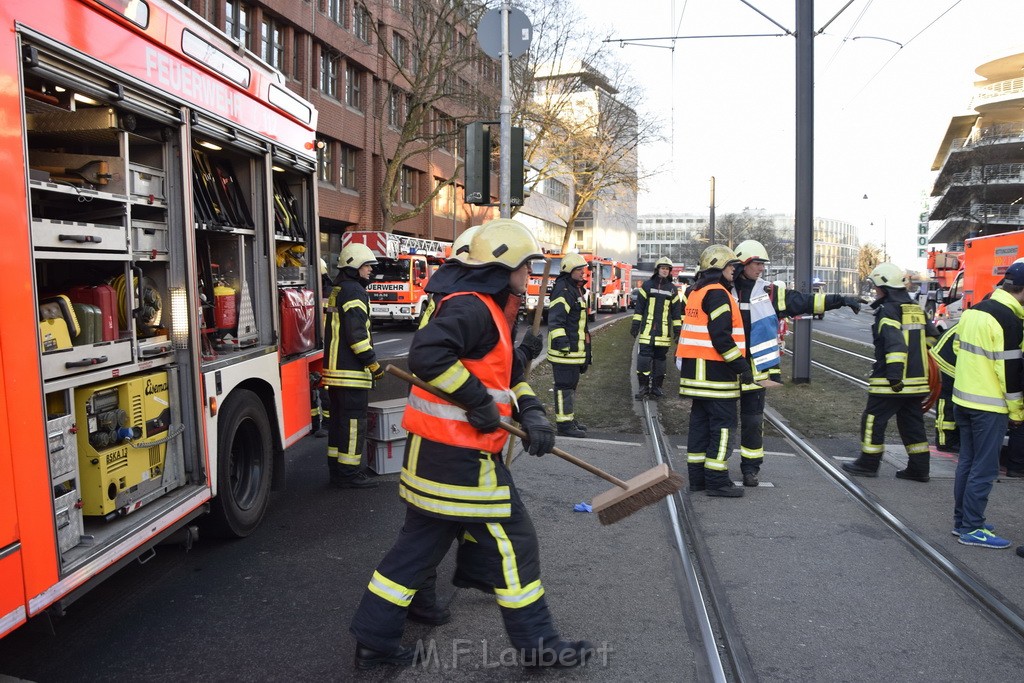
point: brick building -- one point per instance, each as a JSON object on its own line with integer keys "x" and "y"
{"x": 338, "y": 55}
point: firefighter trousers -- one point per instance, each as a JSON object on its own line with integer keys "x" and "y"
{"x": 947, "y": 434}
{"x": 346, "y": 429}
{"x": 566, "y": 378}
{"x": 650, "y": 365}
{"x": 709, "y": 442}
{"x": 752, "y": 430}
{"x": 497, "y": 557}
{"x": 909, "y": 421}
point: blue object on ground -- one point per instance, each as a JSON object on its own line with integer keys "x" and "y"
{"x": 582, "y": 507}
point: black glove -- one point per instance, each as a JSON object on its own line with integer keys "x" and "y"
{"x": 531, "y": 345}
{"x": 853, "y": 302}
{"x": 583, "y": 368}
{"x": 560, "y": 344}
{"x": 484, "y": 418}
{"x": 376, "y": 370}
{"x": 897, "y": 386}
{"x": 540, "y": 435}
{"x": 676, "y": 330}
{"x": 634, "y": 329}
{"x": 747, "y": 377}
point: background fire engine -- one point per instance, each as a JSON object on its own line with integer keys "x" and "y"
{"x": 154, "y": 362}
{"x": 404, "y": 266}
{"x": 973, "y": 273}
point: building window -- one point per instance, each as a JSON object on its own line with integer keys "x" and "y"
{"x": 406, "y": 192}
{"x": 444, "y": 200}
{"x": 395, "y": 108}
{"x": 401, "y": 6}
{"x": 325, "y": 167}
{"x": 399, "y": 49}
{"x": 328, "y": 72}
{"x": 297, "y": 55}
{"x": 347, "y": 166}
{"x": 557, "y": 191}
{"x": 272, "y": 43}
{"x": 237, "y": 22}
{"x": 337, "y": 10}
{"x": 353, "y": 98}
{"x": 361, "y": 23}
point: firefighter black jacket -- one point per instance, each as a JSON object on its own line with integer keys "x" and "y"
{"x": 348, "y": 342}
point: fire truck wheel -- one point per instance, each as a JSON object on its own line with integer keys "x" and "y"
{"x": 245, "y": 458}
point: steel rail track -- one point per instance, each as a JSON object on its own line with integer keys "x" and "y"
{"x": 963, "y": 579}
{"x": 718, "y": 631}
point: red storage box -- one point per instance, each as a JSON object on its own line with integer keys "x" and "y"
{"x": 298, "y": 318}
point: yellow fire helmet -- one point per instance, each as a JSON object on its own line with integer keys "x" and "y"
{"x": 460, "y": 247}
{"x": 888, "y": 275}
{"x": 717, "y": 256}
{"x": 502, "y": 242}
{"x": 356, "y": 256}
{"x": 571, "y": 262}
{"x": 751, "y": 250}
{"x": 663, "y": 261}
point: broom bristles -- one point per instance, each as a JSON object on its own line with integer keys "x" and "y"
{"x": 640, "y": 499}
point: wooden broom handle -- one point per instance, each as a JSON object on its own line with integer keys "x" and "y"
{"x": 511, "y": 429}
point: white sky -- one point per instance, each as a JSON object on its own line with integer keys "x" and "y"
{"x": 727, "y": 105}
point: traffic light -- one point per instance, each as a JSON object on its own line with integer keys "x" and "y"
{"x": 482, "y": 143}
{"x": 516, "y": 158}
{"x": 478, "y": 163}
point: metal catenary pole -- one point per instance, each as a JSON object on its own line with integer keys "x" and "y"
{"x": 804, "y": 234}
{"x": 505, "y": 121}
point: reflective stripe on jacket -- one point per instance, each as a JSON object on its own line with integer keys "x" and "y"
{"x": 348, "y": 340}
{"x": 438, "y": 420}
{"x": 988, "y": 362}
{"x": 764, "y": 329}
{"x": 658, "y": 310}
{"x": 705, "y": 371}
{"x": 900, "y": 332}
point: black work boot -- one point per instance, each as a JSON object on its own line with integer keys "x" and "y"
{"x": 570, "y": 429}
{"x": 864, "y": 466}
{"x": 656, "y": 382}
{"x": 918, "y": 466}
{"x": 367, "y": 658}
{"x": 358, "y": 480}
{"x": 642, "y": 380}
{"x": 750, "y": 479}
{"x": 579, "y": 425}
{"x": 729, "y": 490}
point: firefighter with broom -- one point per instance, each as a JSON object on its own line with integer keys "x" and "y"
{"x": 454, "y": 482}
{"x": 712, "y": 366}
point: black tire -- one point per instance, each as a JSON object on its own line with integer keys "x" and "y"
{"x": 245, "y": 465}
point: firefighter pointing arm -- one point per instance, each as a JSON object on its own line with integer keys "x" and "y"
{"x": 761, "y": 306}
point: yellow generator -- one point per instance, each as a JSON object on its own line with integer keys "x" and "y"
{"x": 116, "y": 420}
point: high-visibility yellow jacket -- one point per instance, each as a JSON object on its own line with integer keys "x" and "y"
{"x": 988, "y": 363}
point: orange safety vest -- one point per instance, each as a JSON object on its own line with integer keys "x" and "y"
{"x": 695, "y": 341}
{"x": 438, "y": 420}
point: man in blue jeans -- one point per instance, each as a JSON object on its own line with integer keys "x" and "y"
{"x": 986, "y": 398}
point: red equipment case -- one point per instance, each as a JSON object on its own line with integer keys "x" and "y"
{"x": 297, "y": 320}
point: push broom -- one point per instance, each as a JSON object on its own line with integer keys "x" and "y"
{"x": 614, "y": 504}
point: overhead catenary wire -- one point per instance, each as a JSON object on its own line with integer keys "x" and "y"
{"x": 900, "y": 48}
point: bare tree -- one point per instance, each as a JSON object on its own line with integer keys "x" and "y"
{"x": 436, "y": 80}
{"x": 580, "y": 111}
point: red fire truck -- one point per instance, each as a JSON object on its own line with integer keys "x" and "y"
{"x": 537, "y": 275}
{"x": 154, "y": 362}
{"x": 614, "y": 279}
{"x": 404, "y": 265}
